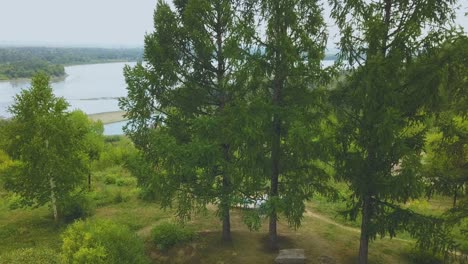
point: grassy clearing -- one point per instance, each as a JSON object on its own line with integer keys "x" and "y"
{"x": 115, "y": 197}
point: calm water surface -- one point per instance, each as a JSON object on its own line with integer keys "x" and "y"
{"x": 93, "y": 88}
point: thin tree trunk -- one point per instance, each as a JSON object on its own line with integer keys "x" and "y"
{"x": 364, "y": 241}
{"x": 275, "y": 156}
{"x": 53, "y": 199}
{"x": 226, "y": 224}
{"x": 89, "y": 180}
{"x": 455, "y": 196}
{"x": 52, "y": 190}
{"x": 226, "y": 204}
{"x": 278, "y": 83}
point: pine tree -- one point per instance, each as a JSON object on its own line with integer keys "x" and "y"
{"x": 289, "y": 53}
{"x": 382, "y": 108}
{"x": 186, "y": 102}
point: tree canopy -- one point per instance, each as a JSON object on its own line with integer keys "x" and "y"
{"x": 48, "y": 145}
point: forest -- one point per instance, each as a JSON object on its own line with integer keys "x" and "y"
{"x": 241, "y": 143}
{"x": 24, "y": 62}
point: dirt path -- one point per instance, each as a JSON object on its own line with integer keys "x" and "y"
{"x": 348, "y": 228}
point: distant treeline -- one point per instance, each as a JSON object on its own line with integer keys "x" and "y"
{"x": 26, "y": 69}
{"x": 23, "y": 62}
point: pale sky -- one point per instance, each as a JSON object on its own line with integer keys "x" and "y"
{"x": 106, "y": 23}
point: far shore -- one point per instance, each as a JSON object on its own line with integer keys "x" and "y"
{"x": 63, "y": 77}
{"x": 105, "y": 117}
{"x": 108, "y": 117}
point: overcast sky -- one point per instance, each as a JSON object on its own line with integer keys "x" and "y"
{"x": 106, "y": 23}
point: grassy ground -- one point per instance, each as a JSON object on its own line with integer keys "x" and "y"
{"x": 115, "y": 196}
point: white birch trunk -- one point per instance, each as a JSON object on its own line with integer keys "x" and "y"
{"x": 52, "y": 197}
{"x": 52, "y": 191}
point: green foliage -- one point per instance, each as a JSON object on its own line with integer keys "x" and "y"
{"x": 25, "y": 62}
{"x": 114, "y": 152}
{"x": 31, "y": 256}
{"x": 48, "y": 145}
{"x": 167, "y": 235}
{"x": 30, "y": 67}
{"x": 425, "y": 257}
{"x": 110, "y": 179}
{"x": 125, "y": 182}
{"x": 287, "y": 82}
{"x": 186, "y": 103}
{"x": 382, "y": 110}
{"x": 120, "y": 197}
{"x": 15, "y": 202}
{"x": 78, "y": 205}
{"x": 101, "y": 242}
{"x": 68, "y": 55}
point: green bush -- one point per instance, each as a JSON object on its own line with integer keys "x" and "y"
{"x": 146, "y": 194}
{"x": 30, "y": 256}
{"x": 125, "y": 181}
{"x": 15, "y": 202}
{"x": 101, "y": 242}
{"x": 110, "y": 180}
{"x": 424, "y": 257}
{"x": 167, "y": 235}
{"x": 119, "y": 197}
{"x": 112, "y": 139}
{"x": 77, "y": 206}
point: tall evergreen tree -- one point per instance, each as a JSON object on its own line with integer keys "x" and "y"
{"x": 290, "y": 50}
{"x": 446, "y": 153}
{"x": 381, "y": 109}
{"x": 185, "y": 103}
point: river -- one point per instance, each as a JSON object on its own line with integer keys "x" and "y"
{"x": 93, "y": 88}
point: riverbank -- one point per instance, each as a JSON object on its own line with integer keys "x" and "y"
{"x": 108, "y": 117}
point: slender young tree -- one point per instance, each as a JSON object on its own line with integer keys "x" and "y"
{"x": 46, "y": 145}
{"x": 290, "y": 50}
{"x": 382, "y": 107}
{"x": 185, "y": 102}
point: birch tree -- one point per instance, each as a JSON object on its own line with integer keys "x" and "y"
{"x": 47, "y": 146}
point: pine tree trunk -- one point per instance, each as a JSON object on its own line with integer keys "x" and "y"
{"x": 278, "y": 83}
{"x": 226, "y": 225}
{"x": 53, "y": 199}
{"x": 275, "y": 156}
{"x": 225, "y": 207}
{"x": 225, "y": 203}
{"x": 364, "y": 241}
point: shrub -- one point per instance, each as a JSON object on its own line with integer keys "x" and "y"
{"x": 425, "y": 257}
{"x": 15, "y": 202}
{"x": 101, "y": 242}
{"x": 77, "y": 206}
{"x": 125, "y": 181}
{"x": 119, "y": 197}
{"x": 146, "y": 194}
{"x": 167, "y": 235}
{"x": 110, "y": 180}
{"x": 30, "y": 256}
{"x": 112, "y": 139}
